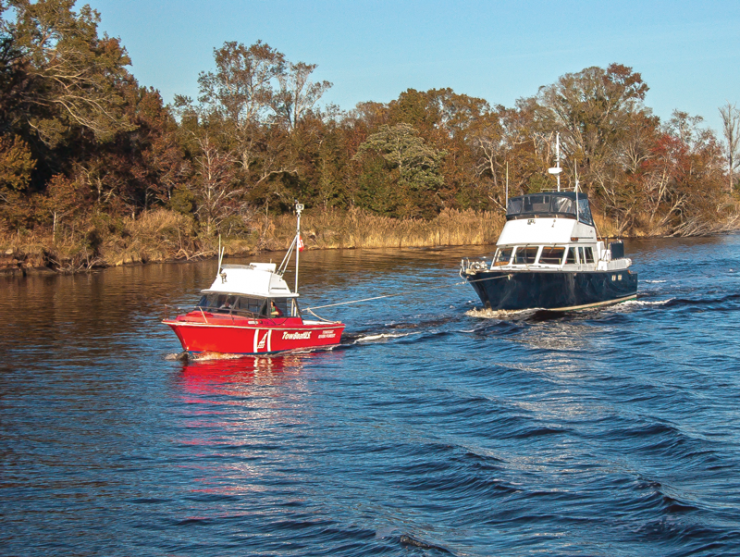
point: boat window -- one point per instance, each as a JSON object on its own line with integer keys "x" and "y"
{"x": 220, "y": 303}
{"x": 254, "y": 306}
{"x": 205, "y": 301}
{"x": 589, "y": 255}
{"x": 514, "y": 207}
{"x": 212, "y": 301}
{"x": 229, "y": 303}
{"x": 526, "y": 255}
{"x": 584, "y": 212}
{"x": 552, "y": 255}
{"x": 279, "y": 307}
{"x": 537, "y": 204}
{"x": 503, "y": 257}
{"x": 570, "y": 259}
{"x": 564, "y": 205}
{"x": 543, "y": 204}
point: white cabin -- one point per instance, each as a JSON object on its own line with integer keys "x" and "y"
{"x": 552, "y": 231}
{"x": 255, "y": 279}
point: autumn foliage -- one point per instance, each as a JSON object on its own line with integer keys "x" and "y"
{"x": 86, "y": 153}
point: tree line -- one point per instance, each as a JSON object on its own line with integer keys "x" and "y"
{"x": 83, "y": 146}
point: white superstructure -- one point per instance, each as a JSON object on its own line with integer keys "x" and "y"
{"x": 255, "y": 279}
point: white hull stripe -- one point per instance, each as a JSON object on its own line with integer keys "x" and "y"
{"x": 598, "y": 304}
{"x": 242, "y": 327}
{"x": 262, "y": 342}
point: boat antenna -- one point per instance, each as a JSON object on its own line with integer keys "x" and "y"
{"x": 506, "y": 206}
{"x": 556, "y": 169}
{"x": 575, "y": 188}
{"x": 221, "y": 251}
{"x": 299, "y": 243}
{"x": 575, "y": 168}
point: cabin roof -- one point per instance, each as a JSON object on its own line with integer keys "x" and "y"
{"x": 255, "y": 279}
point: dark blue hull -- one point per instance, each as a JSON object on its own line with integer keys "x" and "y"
{"x": 555, "y": 291}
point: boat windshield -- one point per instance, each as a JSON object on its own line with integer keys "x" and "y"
{"x": 552, "y": 255}
{"x": 248, "y": 306}
{"x": 525, "y": 255}
{"x": 230, "y": 303}
{"x": 503, "y": 257}
{"x": 550, "y": 204}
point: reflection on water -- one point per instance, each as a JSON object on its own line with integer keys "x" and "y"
{"x": 221, "y": 375}
{"x": 435, "y": 428}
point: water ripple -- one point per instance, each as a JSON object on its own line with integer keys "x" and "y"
{"x": 436, "y": 428}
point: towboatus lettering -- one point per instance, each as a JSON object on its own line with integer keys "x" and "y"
{"x": 297, "y": 336}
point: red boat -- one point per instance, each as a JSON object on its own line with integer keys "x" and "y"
{"x": 249, "y": 309}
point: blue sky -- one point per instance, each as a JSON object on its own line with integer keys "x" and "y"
{"x": 688, "y": 52}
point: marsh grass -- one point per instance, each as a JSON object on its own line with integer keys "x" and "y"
{"x": 358, "y": 229}
{"x": 102, "y": 241}
{"x": 163, "y": 235}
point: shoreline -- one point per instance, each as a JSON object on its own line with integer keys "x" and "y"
{"x": 160, "y": 237}
{"x": 13, "y": 262}
{"x": 16, "y": 263}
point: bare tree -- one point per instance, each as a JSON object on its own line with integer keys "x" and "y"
{"x": 731, "y": 128}
{"x": 297, "y": 93}
{"x": 214, "y": 191}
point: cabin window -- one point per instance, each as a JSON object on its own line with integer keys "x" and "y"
{"x": 280, "y": 307}
{"x": 552, "y": 255}
{"x": 220, "y": 303}
{"x": 503, "y": 257}
{"x": 229, "y": 303}
{"x": 537, "y": 204}
{"x": 514, "y": 207}
{"x": 254, "y": 306}
{"x": 584, "y": 212}
{"x": 570, "y": 258}
{"x": 565, "y": 205}
{"x": 525, "y": 256}
{"x": 589, "y": 255}
{"x": 217, "y": 302}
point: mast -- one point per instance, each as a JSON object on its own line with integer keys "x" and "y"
{"x": 506, "y": 207}
{"x": 556, "y": 169}
{"x": 299, "y": 244}
{"x": 575, "y": 188}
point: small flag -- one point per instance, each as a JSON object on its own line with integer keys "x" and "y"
{"x": 300, "y": 243}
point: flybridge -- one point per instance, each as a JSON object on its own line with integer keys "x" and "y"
{"x": 562, "y": 204}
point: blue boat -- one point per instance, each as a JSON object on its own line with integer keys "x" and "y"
{"x": 549, "y": 257}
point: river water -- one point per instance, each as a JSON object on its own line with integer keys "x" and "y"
{"x": 432, "y": 430}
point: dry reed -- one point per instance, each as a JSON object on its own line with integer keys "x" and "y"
{"x": 358, "y": 229}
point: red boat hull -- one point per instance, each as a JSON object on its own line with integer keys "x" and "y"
{"x": 226, "y": 335}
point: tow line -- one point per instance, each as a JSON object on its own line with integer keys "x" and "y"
{"x": 401, "y": 294}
